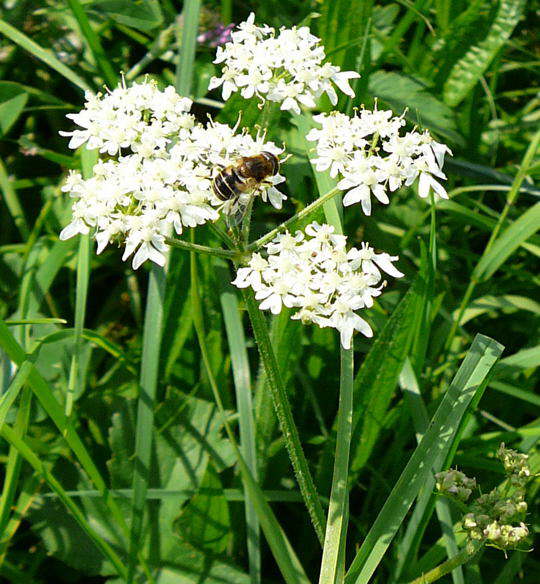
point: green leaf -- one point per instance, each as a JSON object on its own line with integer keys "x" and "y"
{"x": 505, "y": 245}
{"x": 142, "y": 15}
{"x": 13, "y": 98}
{"x": 377, "y": 378}
{"x": 401, "y": 92}
{"x": 205, "y": 522}
{"x": 468, "y": 70}
{"x": 468, "y": 383}
{"x": 464, "y": 31}
{"x": 507, "y": 304}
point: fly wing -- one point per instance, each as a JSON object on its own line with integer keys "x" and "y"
{"x": 236, "y": 216}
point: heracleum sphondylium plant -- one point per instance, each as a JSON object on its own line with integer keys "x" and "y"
{"x": 155, "y": 176}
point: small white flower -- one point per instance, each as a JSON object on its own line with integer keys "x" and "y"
{"x": 284, "y": 66}
{"x": 312, "y": 272}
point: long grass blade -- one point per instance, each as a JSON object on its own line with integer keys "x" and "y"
{"x": 283, "y": 553}
{"x": 469, "y": 381}
{"x": 42, "y": 54}
{"x": 11, "y": 436}
{"x": 420, "y": 516}
{"x": 54, "y": 410}
{"x": 187, "y": 30}
{"x": 12, "y": 202}
{"x": 145, "y": 411}
{"x": 242, "y": 384}
{"x": 88, "y": 158}
{"x": 93, "y": 43}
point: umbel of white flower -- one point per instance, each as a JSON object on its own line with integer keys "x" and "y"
{"x": 372, "y": 155}
{"x": 284, "y": 66}
{"x": 157, "y": 169}
{"x": 313, "y": 272}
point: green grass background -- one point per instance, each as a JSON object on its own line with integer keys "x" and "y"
{"x": 73, "y": 493}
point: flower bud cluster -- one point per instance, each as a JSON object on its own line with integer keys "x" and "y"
{"x": 496, "y": 517}
{"x": 284, "y": 66}
{"x": 313, "y": 272}
{"x": 515, "y": 464}
{"x": 157, "y": 170}
{"x": 455, "y": 483}
{"x": 372, "y": 156}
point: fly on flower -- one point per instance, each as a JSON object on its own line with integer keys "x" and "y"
{"x": 236, "y": 184}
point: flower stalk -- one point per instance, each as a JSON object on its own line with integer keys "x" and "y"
{"x": 215, "y": 251}
{"x": 303, "y": 214}
{"x": 336, "y": 526}
{"x": 284, "y": 415}
{"x": 465, "y": 555}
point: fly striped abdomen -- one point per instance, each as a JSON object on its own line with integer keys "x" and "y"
{"x": 226, "y": 183}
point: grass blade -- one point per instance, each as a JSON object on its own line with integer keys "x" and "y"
{"x": 12, "y": 202}
{"x": 88, "y": 158}
{"x": 507, "y": 243}
{"x": 422, "y": 512}
{"x": 336, "y": 525}
{"x": 468, "y": 382}
{"x": 93, "y": 43}
{"x": 242, "y": 384}
{"x": 42, "y": 54}
{"x": 187, "y": 33}
{"x": 49, "y": 403}
{"x": 145, "y": 410}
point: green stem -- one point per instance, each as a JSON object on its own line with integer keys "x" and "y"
{"x": 145, "y": 412}
{"x": 514, "y": 191}
{"x": 285, "y": 557}
{"x": 294, "y": 219}
{"x": 83, "y": 274}
{"x": 216, "y": 251}
{"x": 284, "y": 414}
{"x": 466, "y": 554}
{"x": 336, "y": 525}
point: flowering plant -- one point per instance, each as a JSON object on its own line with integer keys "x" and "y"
{"x": 496, "y": 517}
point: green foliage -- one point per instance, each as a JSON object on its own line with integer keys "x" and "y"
{"x": 103, "y": 468}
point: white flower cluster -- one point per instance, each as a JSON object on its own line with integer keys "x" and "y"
{"x": 314, "y": 272}
{"x": 157, "y": 171}
{"x": 371, "y": 157}
{"x": 284, "y": 66}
